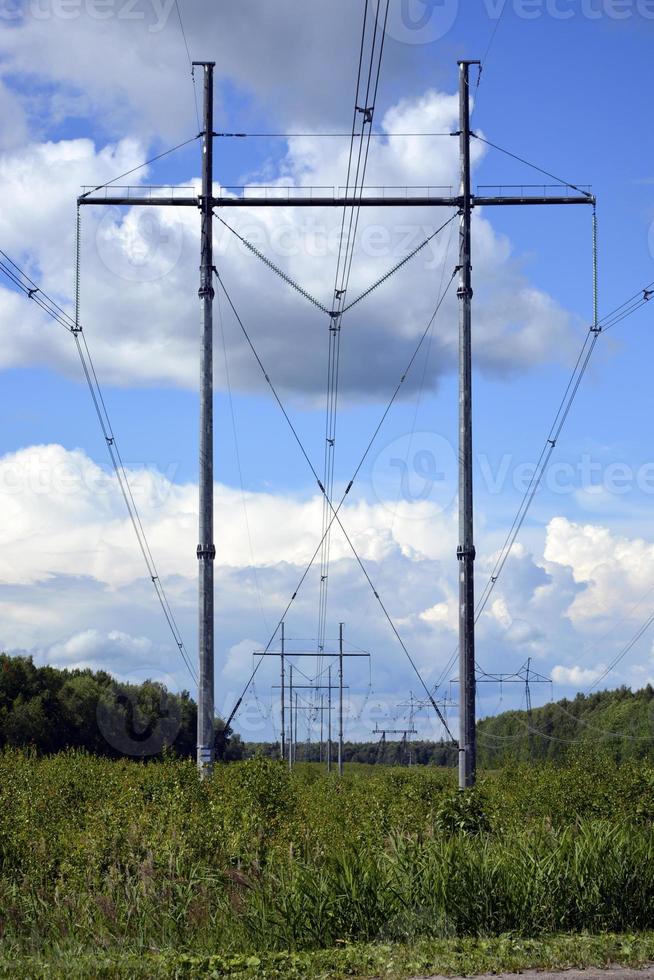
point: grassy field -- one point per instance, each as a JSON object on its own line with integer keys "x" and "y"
{"x": 124, "y": 869}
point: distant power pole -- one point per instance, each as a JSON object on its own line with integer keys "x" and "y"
{"x": 322, "y": 725}
{"x": 295, "y": 733}
{"x": 340, "y": 699}
{"x": 466, "y": 548}
{"x": 329, "y": 719}
{"x": 290, "y": 712}
{"x": 283, "y": 740}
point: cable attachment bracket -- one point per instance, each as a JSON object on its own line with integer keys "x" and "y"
{"x": 463, "y": 552}
{"x": 206, "y": 290}
{"x": 366, "y": 112}
{"x": 206, "y": 551}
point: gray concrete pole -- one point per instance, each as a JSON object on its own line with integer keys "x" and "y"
{"x": 283, "y": 741}
{"x": 466, "y": 548}
{"x": 206, "y": 551}
{"x": 340, "y": 699}
{"x": 295, "y": 734}
{"x": 290, "y": 711}
{"x": 329, "y": 720}
{"x": 322, "y": 725}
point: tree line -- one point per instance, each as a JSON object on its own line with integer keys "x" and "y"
{"x": 52, "y": 709}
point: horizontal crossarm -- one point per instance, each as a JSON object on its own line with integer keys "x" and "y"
{"x": 336, "y": 202}
{"x": 292, "y": 653}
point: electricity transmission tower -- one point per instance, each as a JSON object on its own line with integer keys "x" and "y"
{"x": 321, "y": 708}
{"x": 525, "y": 676}
{"x": 464, "y": 203}
{"x": 404, "y": 732}
{"x": 285, "y": 654}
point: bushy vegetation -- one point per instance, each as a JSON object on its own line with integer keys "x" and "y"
{"x": 621, "y": 722}
{"x": 51, "y": 710}
{"x": 97, "y": 854}
{"x": 391, "y": 753}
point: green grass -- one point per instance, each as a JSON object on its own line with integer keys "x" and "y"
{"x": 143, "y": 867}
{"x": 392, "y": 962}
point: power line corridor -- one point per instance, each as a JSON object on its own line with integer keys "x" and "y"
{"x": 333, "y": 511}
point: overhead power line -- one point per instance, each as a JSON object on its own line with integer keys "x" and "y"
{"x": 306, "y": 294}
{"x": 147, "y": 163}
{"x": 190, "y": 61}
{"x": 620, "y": 313}
{"x": 533, "y": 166}
{"x": 365, "y": 102}
{"x": 640, "y": 632}
{"x": 34, "y": 292}
{"x": 275, "y": 268}
{"x": 335, "y": 511}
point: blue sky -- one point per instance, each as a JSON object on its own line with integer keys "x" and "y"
{"x": 86, "y": 99}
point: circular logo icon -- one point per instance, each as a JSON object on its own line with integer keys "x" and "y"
{"x": 140, "y": 717}
{"x": 143, "y": 245}
{"x": 416, "y": 468}
{"x": 419, "y": 21}
{"x": 11, "y": 10}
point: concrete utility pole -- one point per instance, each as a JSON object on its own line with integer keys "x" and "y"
{"x": 206, "y": 550}
{"x": 322, "y": 725}
{"x": 329, "y": 720}
{"x": 341, "y": 687}
{"x": 340, "y": 699}
{"x": 295, "y": 733}
{"x": 329, "y": 687}
{"x": 466, "y": 549}
{"x": 283, "y": 739}
{"x": 290, "y": 712}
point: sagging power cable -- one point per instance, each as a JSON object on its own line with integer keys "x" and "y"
{"x": 596, "y": 329}
{"x": 546, "y": 173}
{"x": 72, "y": 324}
{"x": 147, "y": 163}
{"x": 365, "y": 101}
{"x": 337, "y": 509}
{"x": 305, "y": 293}
{"x": 275, "y": 268}
{"x": 190, "y": 61}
